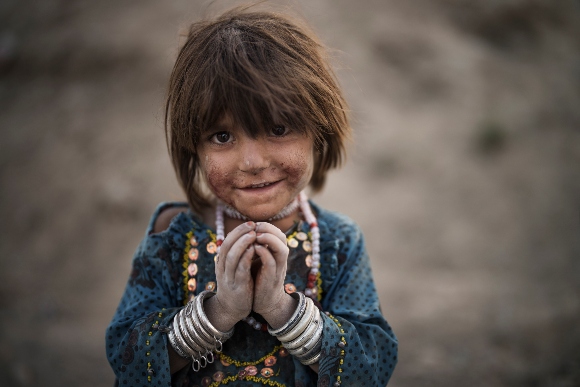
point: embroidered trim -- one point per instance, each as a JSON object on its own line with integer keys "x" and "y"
{"x": 264, "y": 381}
{"x": 237, "y": 363}
{"x": 184, "y": 265}
{"x": 155, "y": 325}
{"x": 256, "y": 379}
{"x": 212, "y": 235}
{"x": 319, "y": 286}
{"x": 342, "y": 344}
{"x": 187, "y": 260}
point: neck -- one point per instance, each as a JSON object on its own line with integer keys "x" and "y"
{"x": 283, "y": 219}
{"x": 283, "y": 224}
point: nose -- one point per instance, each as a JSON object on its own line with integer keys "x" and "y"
{"x": 253, "y": 155}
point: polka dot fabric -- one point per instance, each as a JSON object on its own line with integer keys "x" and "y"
{"x": 358, "y": 345}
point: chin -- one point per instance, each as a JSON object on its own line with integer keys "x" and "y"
{"x": 260, "y": 216}
{"x": 262, "y": 213}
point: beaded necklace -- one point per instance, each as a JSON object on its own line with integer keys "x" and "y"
{"x": 286, "y": 211}
{"x": 312, "y": 285}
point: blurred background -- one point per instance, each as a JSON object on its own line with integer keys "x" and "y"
{"x": 464, "y": 175}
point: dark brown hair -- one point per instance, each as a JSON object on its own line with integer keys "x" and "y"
{"x": 263, "y": 69}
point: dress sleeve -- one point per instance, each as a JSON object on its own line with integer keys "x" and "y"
{"x": 135, "y": 342}
{"x": 358, "y": 347}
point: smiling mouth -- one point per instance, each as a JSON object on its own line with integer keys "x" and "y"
{"x": 260, "y": 185}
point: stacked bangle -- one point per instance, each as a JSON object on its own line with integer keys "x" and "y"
{"x": 193, "y": 337}
{"x": 302, "y": 334}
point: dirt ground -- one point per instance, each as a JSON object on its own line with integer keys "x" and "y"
{"x": 464, "y": 175}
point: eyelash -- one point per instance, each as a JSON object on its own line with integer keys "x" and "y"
{"x": 212, "y": 138}
{"x": 286, "y": 131}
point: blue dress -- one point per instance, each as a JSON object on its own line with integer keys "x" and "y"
{"x": 358, "y": 347}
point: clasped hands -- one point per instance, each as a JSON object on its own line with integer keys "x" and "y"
{"x": 250, "y": 275}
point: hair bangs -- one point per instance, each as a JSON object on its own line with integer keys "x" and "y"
{"x": 250, "y": 87}
{"x": 257, "y": 70}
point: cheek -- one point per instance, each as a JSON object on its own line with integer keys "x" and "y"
{"x": 216, "y": 177}
{"x": 298, "y": 165}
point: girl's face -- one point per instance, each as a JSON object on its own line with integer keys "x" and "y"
{"x": 257, "y": 176}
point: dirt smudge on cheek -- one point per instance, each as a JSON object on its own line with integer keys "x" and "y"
{"x": 297, "y": 166}
{"x": 219, "y": 182}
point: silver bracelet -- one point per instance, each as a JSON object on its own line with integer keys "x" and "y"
{"x": 302, "y": 323}
{"x": 195, "y": 333}
{"x": 181, "y": 343}
{"x": 201, "y": 330}
{"x": 191, "y": 336}
{"x": 204, "y": 321}
{"x": 312, "y": 360}
{"x": 304, "y": 337}
{"x": 176, "y": 347}
{"x": 293, "y": 320}
{"x": 310, "y": 346}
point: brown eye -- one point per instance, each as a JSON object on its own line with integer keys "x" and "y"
{"x": 221, "y": 137}
{"x": 279, "y": 130}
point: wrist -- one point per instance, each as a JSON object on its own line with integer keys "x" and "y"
{"x": 218, "y": 316}
{"x": 281, "y": 312}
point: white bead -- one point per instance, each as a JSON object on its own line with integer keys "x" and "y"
{"x": 315, "y": 264}
{"x": 308, "y": 292}
{"x": 314, "y": 271}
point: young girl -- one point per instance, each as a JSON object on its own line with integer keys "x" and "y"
{"x": 250, "y": 283}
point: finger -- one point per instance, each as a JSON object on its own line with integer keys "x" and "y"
{"x": 268, "y": 271}
{"x": 278, "y": 248}
{"x": 243, "y": 270}
{"x": 232, "y": 259}
{"x": 231, "y": 238}
{"x": 269, "y": 228}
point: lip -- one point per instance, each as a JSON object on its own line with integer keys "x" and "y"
{"x": 262, "y": 186}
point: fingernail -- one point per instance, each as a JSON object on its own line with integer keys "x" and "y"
{"x": 250, "y": 223}
{"x": 259, "y": 233}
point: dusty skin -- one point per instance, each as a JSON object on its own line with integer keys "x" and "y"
{"x": 463, "y": 175}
